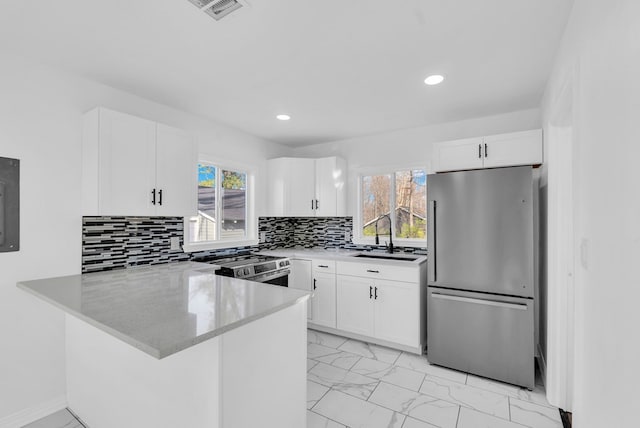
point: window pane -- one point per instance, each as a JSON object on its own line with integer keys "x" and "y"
{"x": 411, "y": 204}
{"x": 376, "y": 196}
{"x": 203, "y": 227}
{"x": 234, "y": 205}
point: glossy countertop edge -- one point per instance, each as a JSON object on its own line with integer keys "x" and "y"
{"x": 160, "y": 353}
{"x": 344, "y": 255}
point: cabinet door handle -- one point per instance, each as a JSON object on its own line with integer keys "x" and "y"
{"x": 486, "y": 153}
{"x": 153, "y": 199}
{"x": 314, "y": 283}
{"x": 317, "y": 204}
{"x": 370, "y": 292}
{"x": 375, "y": 293}
{"x": 479, "y": 151}
{"x": 373, "y": 271}
{"x": 312, "y": 204}
{"x": 160, "y": 197}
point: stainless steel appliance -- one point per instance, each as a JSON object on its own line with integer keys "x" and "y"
{"x": 254, "y": 267}
{"x": 481, "y": 279}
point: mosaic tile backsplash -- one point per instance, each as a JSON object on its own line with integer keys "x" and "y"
{"x": 119, "y": 242}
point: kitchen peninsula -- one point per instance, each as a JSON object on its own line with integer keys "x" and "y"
{"x": 175, "y": 345}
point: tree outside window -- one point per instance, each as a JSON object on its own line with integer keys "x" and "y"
{"x": 404, "y": 190}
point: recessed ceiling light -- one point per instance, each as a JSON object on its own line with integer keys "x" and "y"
{"x": 434, "y": 79}
{"x": 283, "y": 117}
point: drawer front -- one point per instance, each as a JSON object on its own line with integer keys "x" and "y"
{"x": 487, "y": 335}
{"x": 328, "y": 266}
{"x": 380, "y": 271}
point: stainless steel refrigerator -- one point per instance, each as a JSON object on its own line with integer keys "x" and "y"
{"x": 481, "y": 276}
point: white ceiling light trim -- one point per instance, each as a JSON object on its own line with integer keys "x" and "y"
{"x": 283, "y": 117}
{"x": 434, "y": 79}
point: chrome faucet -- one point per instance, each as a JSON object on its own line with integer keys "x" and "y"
{"x": 390, "y": 246}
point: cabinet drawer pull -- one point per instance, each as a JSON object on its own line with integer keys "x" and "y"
{"x": 323, "y": 266}
{"x": 373, "y": 271}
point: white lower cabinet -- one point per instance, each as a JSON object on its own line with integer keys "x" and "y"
{"x": 324, "y": 299}
{"x": 355, "y": 308}
{"x": 397, "y": 312}
{"x": 319, "y": 277}
{"x": 301, "y": 278}
{"x": 385, "y": 310}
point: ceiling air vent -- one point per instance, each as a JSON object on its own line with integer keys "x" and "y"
{"x": 218, "y": 9}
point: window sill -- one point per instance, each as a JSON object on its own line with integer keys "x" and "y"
{"x": 217, "y": 245}
{"x": 398, "y": 242}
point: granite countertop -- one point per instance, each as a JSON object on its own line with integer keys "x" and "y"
{"x": 163, "y": 309}
{"x": 342, "y": 254}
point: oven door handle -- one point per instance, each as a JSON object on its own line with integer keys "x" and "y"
{"x": 268, "y": 276}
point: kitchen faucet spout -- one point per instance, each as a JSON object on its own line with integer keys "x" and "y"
{"x": 390, "y": 246}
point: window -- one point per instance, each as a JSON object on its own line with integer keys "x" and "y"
{"x": 223, "y": 218}
{"x": 406, "y": 192}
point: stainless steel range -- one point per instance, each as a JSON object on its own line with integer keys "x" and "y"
{"x": 254, "y": 267}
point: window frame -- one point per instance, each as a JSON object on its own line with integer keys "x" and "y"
{"x": 357, "y": 237}
{"x": 251, "y": 222}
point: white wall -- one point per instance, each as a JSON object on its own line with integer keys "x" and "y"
{"x": 412, "y": 147}
{"x": 600, "y": 59}
{"x": 40, "y": 123}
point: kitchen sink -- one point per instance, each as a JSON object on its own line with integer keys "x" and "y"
{"x": 388, "y": 257}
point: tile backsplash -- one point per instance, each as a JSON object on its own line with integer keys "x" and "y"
{"x": 119, "y": 242}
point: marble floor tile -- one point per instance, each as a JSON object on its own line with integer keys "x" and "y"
{"x": 315, "y": 420}
{"x": 414, "y": 423}
{"x": 342, "y": 359}
{"x": 314, "y": 351}
{"x": 421, "y": 364}
{"x": 342, "y": 380}
{"x": 310, "y": 364}
{"x": 60, "y": 419}
{"x": 325, "y": 339}
{"x": 534, "y": 415}
{"x": 315, "y": 392}
{"x": 356, "y": 413}
{"x": 419, "y": 406}
{"x": 396, "y": 375}
{"x": 467, "y": 396}
{"x": 469, "y": 418}
{"x": 537, "y": 396}
{"x": 371, "y": 351}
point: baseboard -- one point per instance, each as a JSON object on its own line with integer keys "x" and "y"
{"x": 32, "y": 414}
{"x": 543, "y": 366}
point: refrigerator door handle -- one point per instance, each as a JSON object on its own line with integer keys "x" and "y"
{"x": 432, "y": 251}
{"x": 518, "y": 306}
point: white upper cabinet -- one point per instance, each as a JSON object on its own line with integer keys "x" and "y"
{"x": 517, "y": 148}
{"x": 300, "y": 187}
{"x": 136, "y": 167}
{"x": 176, "y": 172}
{"x": 457, "y": 155}
{"x": 300, "y": 199}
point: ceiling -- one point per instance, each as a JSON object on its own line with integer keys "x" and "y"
{"x": 340, "y": 68}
